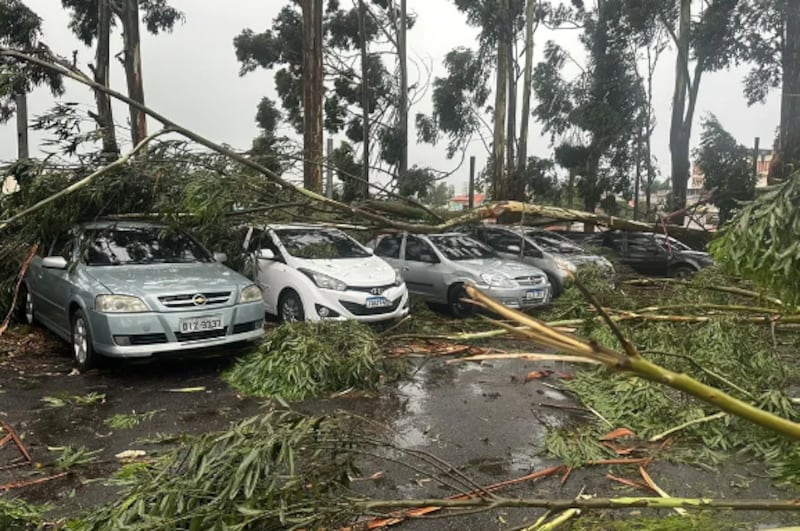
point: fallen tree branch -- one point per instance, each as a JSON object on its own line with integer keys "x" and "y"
{"x": 637, "y": 365}
{"x": 723, "y": 289}
{"x": 525, "y": 356}
{"x": 661, "y": 492}
{"x": 29, "y": 482}
{"x": 20, "y": 277}
{"x": 701, "y": 420}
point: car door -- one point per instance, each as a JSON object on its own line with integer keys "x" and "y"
{"x": 55, "y": 286}
{"x": 270, "y": 273}
{"x": 645, "y": 255}
{"x": 420, "y": 268}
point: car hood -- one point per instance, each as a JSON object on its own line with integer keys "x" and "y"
{"x": 496, "y": 265}
{"x": 157, "y": 279}
{"x": 368, "y": 271}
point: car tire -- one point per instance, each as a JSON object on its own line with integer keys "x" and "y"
{"x": 82, "y": 351}
{"x": 456, "y": 306}
{"x": 290, "y": 307}
{"x": 683, "y": 272}
{"x": 555, "y": 287}
{"x": 26, "y": 313}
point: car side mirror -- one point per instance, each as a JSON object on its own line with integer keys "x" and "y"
{"x": 369, "y": 251}
{"x": 220, "y": 257}
{"x": 265, "y": 254}
{"x": 54, "y": 262}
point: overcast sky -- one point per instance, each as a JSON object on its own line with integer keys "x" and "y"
{"x": 192, "y": 77}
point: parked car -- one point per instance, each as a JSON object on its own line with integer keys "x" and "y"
{"x": 438, "y": 266}
{"x": 134, "y": 290}
{"x": 311, "y": 272}
{"x": 651, "y": 254}
{"x": 552, "y": 253}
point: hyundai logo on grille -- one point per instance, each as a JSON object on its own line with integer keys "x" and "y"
{"x": 199, "y": 300}
{"x": 376, "y": 291}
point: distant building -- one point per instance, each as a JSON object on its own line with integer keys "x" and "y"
{"x": 461, "y": 202}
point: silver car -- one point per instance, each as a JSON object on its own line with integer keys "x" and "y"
{"x": 438, "y": 266}
{"x": 552, "y": 253}
{"x": 132, "y": 290}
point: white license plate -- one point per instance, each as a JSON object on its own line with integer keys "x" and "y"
{"x": 533, "y": 294}
{"x": 378, "y": 302}
{"x": 201, "y": 324}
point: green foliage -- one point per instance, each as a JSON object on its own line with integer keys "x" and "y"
{"x": 272, "y": 472}
{"x": 62, "y": 400}
{"x": 692, "y": 520}
{"x": 574, "y": 447}
{"x": 762, "y": 242}
{"x": 541, "y": 181}
{"x": 17, "y": 514}
{"x": 69, "y": 457}
{"x": 122, "y": 421}
{"x": 724, "y": 163}
{"x": 305, "y": 360}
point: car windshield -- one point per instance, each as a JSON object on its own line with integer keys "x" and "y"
{"x": 552, "y": 243}
{"x": 457, "y": 247}
{"x": 318, "y": 244}
{"x": 673, "y": 243}
{"x": 140, "y": 245}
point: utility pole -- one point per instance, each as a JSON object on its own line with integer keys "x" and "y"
{"x": 312, "y": 94}
{"x": 755, "y": 158}
{"x": 329, "y": 171}
{"x": 21, "y": 101}
{"x": 471, "y": 188}
{"x": 403, "y": 126}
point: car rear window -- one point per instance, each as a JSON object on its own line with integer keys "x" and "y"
{"x": 139, "y": 245}
{"x": 319, "y": 244}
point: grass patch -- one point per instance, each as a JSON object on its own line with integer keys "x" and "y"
{"x": 304, "y": 360}
{"x": 19, "y": 514}
{"x": 276, "y": 471}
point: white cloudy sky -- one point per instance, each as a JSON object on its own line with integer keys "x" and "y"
{"x": 192, "y": 77}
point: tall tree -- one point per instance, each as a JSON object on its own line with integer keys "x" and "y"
{"x": 21, "y": 28}
{"x": 312, "y": 94}
{"x": 158, "y": 16}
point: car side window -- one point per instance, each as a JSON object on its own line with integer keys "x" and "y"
{"x": 501, "y": 240}
{"x": 389, "y": 246}
{"x": 418, "y": 250}
{"x": 62, "y": 246}
{"x": 641, "y": 244}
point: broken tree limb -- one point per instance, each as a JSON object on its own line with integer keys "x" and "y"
{"x": 637, "y": 365}
{"x": 10, "y": 431}
{"x": 29, "y": 482}
{"x": 83, "y": 182}
{"x": 525, "y": 356}
{"x": 661, "y": 492}
{"x": 701, "y": 420}
{"x": 723, "y": 289}
{"x": 20, "y": 277}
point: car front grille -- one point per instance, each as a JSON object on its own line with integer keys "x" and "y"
{"x": 374, "y": 290}
{"x": 359, "y": 309}
{"x": 187, "y": 300}
{"x": 534, "y": 280}
{"x": 247, "y": 327}
{"x": 205, "y": 334}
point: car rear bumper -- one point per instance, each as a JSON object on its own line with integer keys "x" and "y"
{"x": 139, "y": 335}
{"x": 352, "y": 305}
{"x": 519, "y": 297}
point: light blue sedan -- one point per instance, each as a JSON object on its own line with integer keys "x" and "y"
{"x": 136, "y": 289}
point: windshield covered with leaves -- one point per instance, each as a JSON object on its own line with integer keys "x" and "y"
{"x": 140, "y": 245}
{"x": 552, "y": 243}
{"x": 673, "y": 244}
{"x": 316, "y": 244}
{"x": 456, "y": 247}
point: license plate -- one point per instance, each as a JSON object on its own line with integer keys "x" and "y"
{"x": 201, "y": 324}
{"x": 378, "y": 302}
{"x": 533, "y": 294}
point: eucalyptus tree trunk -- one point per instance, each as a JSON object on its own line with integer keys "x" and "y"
{"x": 403, "y": 114}
{"x": 522, "y": 154}
{"x": 312, "y": 94}
{"x": 679, "y": 133}
{"x": 511, "y": 118}
{"x": 21, "y": 103}
{"x": 498, "y": 147}
{"x": 128, "y": 13}
{"x": 362, "y": 17}
{"x": 788, "y": 156}
{"x": 104, "y": 118}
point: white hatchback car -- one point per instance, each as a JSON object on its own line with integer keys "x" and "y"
{"x": 309, "y": 272}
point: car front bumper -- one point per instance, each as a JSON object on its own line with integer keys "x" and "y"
{"x": 140, "y": 335}
{"x": 520, "y": 297}
{"x": 352, "y": 305}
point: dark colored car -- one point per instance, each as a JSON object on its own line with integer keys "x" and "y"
{"x": 651, "y": 254}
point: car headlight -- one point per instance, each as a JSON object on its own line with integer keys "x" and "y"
{"x": 250, "y": 294}
{"x": 398, "y": 278}
{"x": 119, "y": 304}
{"x": 565, "y": 265}
{"x": 498, "y": 280}
{"x": 325, "y": 281}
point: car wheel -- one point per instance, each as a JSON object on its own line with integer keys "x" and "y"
{"x": 290, "y": 308}
{"x": 683, "y": 272}
{"x": 26, "y": 314}
{"x": 555, "y": 287}
{"x": 457, "y": 306}
{"x": 82, "y": 350}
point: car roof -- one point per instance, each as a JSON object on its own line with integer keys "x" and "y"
{"x": 299, "y": 226}
{"x": 106, "y": 223}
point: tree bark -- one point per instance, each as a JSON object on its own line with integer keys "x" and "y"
{"x": 498, "y": 148}
{"x": 21, "y": 102}
{"x": 511, "y": 119}
{"x": 362, "y": 17}
{"x": 104, "y": 118}
{"x": 128, "y": 13}
{"x": 638, "y": 174}
{"x": 522, "y": 154}
{"x": 678, "y": 135}
{"x": 403, "y": 114}
{"x": 312, "y": 95}
{"x": 788, "y": 156}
